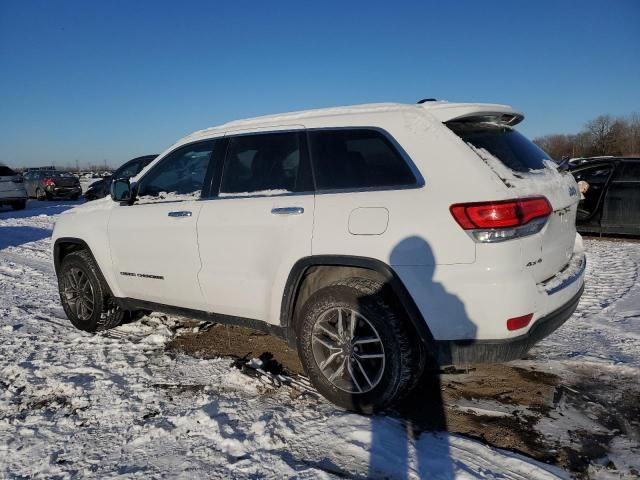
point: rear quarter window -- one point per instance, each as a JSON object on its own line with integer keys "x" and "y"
{"x": 357, "y": 158}
{"x": 630, "y": 172}
{"x": 512, "y": 148}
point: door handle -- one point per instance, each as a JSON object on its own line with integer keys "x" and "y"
{"x": 181, "y": 213}
{"x": 287, "y": 211}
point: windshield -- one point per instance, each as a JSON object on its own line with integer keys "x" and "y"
{"x": 513, "y": 149}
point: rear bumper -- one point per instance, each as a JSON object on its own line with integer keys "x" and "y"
{"x": 452, "y": 352}
{"x": 64, "y": 191}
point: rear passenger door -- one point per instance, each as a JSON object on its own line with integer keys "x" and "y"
{"x": 621, "y": 213}
{"x": 259, "y": 224}
{"x": 366, "y": 195}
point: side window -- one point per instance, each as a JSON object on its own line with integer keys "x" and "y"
{"x": 629, "y": 172}
{"x": 268, "y": 163}
{"x": 357, "y": 158}
{"x": 179, "y": 176}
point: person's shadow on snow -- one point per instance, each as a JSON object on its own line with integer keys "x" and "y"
{"x": 396, "y": 437}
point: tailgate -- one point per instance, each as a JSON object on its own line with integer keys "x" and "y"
{"x": 527, "y": 171}
{"x": 548, "y": 252}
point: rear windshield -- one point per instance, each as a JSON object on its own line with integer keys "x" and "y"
{"x": 513, "y": 149}
{"x": 6, "y": 171}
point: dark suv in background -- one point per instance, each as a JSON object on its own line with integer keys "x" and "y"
{"x": 100, "y": 188}
{"x": 47, "y": 184}
{"x": 611, "y": 203}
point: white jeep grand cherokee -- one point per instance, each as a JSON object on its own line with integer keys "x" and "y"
{"x": 374, "y": 238}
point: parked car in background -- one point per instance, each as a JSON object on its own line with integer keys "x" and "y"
{"x": 48, "y": 184}
{"x": 12, "y": 190}
{"x": 130, "y": 169}
{"x": 348, "y": 231}
{"x": 611, "y": 200}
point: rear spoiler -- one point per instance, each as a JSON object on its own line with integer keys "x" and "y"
{"x": 473, "y": 112}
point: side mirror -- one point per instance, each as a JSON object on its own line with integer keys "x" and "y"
{"x": 121, "y": 190}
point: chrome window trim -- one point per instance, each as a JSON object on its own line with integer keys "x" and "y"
{"x": 278, "y": 195}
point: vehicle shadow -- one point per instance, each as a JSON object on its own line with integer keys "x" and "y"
{"x": 35, "y": 208}
{"x": 14, "y": 236}
{"x": 423, "y": 410}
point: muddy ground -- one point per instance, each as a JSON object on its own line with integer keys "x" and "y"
{"x": 568, "y": 418}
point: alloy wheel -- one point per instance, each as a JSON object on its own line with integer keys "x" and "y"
{"x": 348, "y": 350}
{"x": 78, "y": 294}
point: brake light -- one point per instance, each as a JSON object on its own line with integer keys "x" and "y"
{"x": 47, "y": 182}
{"x": 519, "y": 322}
{"x": 502, "y": 220}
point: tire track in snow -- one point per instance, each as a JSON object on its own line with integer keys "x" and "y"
{"x": 611, "y": 273}
{"x": 602, "y": 329}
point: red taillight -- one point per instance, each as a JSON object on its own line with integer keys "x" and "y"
{"x": 519, "y": 322}
{"x": 501, "y": 214}
{"x": 47, "y": 182}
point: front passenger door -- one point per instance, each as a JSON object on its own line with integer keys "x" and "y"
{"x": 154, "y": 245}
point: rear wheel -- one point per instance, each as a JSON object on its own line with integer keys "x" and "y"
{"x": 40, "y": 194}
{"x": 84, "y": 294}
{"x": 19, "y": 205}
{"x": 356, "y": 348}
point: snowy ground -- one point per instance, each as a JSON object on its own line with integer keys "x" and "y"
{"x": 116, "y": 404}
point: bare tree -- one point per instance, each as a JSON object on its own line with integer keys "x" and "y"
{"x": 604, "y": 135}
{"x": 600, "y": 130}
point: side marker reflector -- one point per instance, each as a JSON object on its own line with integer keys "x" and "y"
{"x": 519, "y": 322}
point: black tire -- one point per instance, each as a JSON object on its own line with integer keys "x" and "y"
{"x": 40, "y": 195}
{"x": 105, "y": 313}
{"x": 20, "y": 205}
{"x": 75, "y": 197}
{"x": 403, "y": 361}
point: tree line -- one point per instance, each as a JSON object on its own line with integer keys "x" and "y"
{"x": 604, "y": 135}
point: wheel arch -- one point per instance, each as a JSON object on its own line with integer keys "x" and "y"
{"x": 311, "y": 273}
{"x": 65, "y": 245}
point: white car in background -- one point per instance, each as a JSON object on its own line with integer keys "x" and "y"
{"x": 371, "y": 237}
{"x": 12, "y": 190}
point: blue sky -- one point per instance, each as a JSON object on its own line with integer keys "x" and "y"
{"x": 109, "y": 80}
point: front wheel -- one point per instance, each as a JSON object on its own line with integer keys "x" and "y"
{"x": 356, "y": 348}
{"x": 84, "y": 294}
